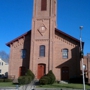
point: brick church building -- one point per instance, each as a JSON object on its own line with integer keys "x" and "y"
{"x": 45, "y": 47}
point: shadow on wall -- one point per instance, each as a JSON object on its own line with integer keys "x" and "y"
{"x": 71, "y": 67}
{"x": 26, "y": 54}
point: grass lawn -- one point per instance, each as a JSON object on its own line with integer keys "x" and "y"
{"x": 55, "y": 85}
{"x": 6, "y": 84}
{"x": 74, "y": 86}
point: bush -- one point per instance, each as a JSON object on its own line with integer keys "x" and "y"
{"x": 51, "y": 76}
{"x": 29, "y": 73}
{"x": 21, "y": 80}
{"x": 29, "y": 76}
{"x": 24, "y": 80}
{"x": 44, "y": 80}
{"x": 28, "y": 80}
{"x": 47, "y": 79}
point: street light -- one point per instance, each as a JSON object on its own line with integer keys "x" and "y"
{"x": 81, "y": 27}
{"x": 84, "y": 67}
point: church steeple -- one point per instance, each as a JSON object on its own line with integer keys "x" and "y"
{"x": 44, "y": 18}
{"x": 43, "y": 32}
{"x": 44, "y": 8}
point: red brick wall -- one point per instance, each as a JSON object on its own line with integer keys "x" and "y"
{"x": 73, "y": 60}
{"x": 86, "y": 61}
{"x": 16, "y": 61}
{"x": 55, "y": 64}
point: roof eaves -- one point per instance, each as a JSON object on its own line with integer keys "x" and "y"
{"x": 8, "y": 44}
{"x": 67, "y": 35}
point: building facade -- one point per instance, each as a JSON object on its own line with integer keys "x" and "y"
{"x": 87, "y": 66}
{"x": 3, "y": 68}
{"x": 45, "y": 47}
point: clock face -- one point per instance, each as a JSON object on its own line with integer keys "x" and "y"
{"x": 43, "y": 28}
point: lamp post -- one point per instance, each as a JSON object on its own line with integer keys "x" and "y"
{"x": 81, "y": 27}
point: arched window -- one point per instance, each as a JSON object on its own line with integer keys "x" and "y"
{"x": 43, "y": 5}
{"x": 42, "y": 51}
{"x": 65, "y": 53}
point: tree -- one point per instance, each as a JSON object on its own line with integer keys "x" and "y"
{"x": 4, "y": 56}
{"x": 81, "y": 54}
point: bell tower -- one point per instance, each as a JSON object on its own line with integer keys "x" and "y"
{"x": 44, "y": 18}
{"x": 43, "y": 30}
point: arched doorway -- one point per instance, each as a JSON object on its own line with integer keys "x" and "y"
{"x": 41, "y": 70}
{"x": 65, "y": 73}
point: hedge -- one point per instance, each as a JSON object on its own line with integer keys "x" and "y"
{"x": 5, "y": 80}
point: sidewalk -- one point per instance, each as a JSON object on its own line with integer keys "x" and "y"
{"x": 9, "y": 88}
{"x": 57, "y": 89}
{"x": 28, "y": 87}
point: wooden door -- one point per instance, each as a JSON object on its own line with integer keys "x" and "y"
{"x": 64, "y": 73}
{"x": 41, "y": 70}
{"x": 22, "y": 71}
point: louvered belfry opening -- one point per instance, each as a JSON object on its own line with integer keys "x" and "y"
{"x": 43, "y": 5}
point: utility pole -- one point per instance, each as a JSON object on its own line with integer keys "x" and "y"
{"x": 81, "y": 51}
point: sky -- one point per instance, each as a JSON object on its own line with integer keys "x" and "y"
{"x": 16, "y": 19}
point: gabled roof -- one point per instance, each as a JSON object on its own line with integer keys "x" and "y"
{"x": 67, "y": 35}
{"x": 23, "y": 35}
{"x": 56, "y": 30}
{"x": 3, "y": 61}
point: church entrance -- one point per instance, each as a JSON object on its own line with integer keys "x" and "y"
{"x": 41, "y": 70}
{"x": 65, "y": 73}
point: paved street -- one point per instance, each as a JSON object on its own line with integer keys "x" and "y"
{"x": 31, "y": 88}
